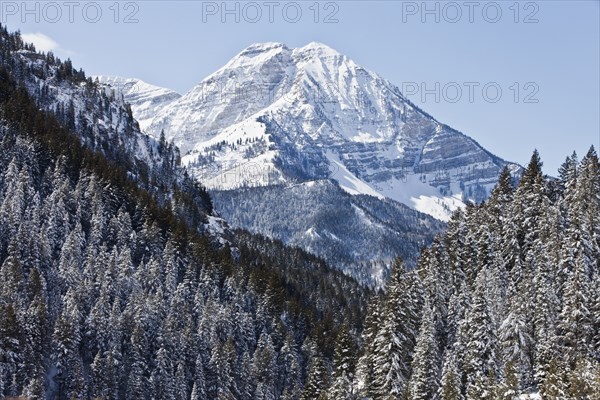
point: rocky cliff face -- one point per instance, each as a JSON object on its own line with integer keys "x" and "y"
{"x": 276, "y": 115}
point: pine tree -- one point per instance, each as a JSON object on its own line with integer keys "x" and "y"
{"x": 528, "y": 204}
{"x": 554, "y": 383}
{"x": 220, "y": 380}
{"x": 395, "y": 340}
{"x": 450, "y": 385}
{"x": 317, "y": 380}
{"x": 199, "y": 387}
{"x": 105, "y": 376}
{"x": 289, "y": 360}
{"x": 10, "y": 349}
{"x": 180, "y": 383}
{"x": 481, "y": 354}
{"x": 138, "y": 385}
{"x": 595, "y": 311}
{"x": 580, "y": 380}
{"x": 482, "y": 387}
{"x": 263, "y": 366}
{"x": 436, "y": 283}
{"x": 365, "y": 367}
{"x": 344, "y": 365}
{"x": 588, "y": 189}
{"x": 575, "y": 321}
{"x": 595, "y": 384}
{"x": 36, "y": 339}
{"x": 67, "y": 339}
{"x": 424, "y": 382}
{"x": 509, "y": 388}
{"x": 516, "y": 336}
{"x": 162, "y": 378}
{"x": 502, "y": 195}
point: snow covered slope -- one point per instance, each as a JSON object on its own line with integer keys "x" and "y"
{"x": 277, "y": 115}
{"x": 146, "y": 100}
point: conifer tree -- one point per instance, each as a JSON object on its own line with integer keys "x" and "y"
{"x": 344, "y": 365}
{"x": 317, "y": 380}
{"x": 289, "y": 360}
{"x": 509, "y": 388}
{"x": 553, "y": 385}
{"x": 395, "y": 341}
{"x": 575, "y": 321}
{"x": 263, "y": 366}
{"x": 162, "y": 377}
{"x": 481, "y": 348}
{"x": 365, "y": 367}
{"x": 138, "y": 385}
{"x": 580, "y": 380}
{"x": 10, "y": 354}
{"x": 199, "y": 386}
{"x": 424, "y": 382}
{"x": 450, "y": 385}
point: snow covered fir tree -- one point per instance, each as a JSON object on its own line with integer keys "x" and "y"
{"x": 506, "y": 302}
{"x": 118, "y": 280}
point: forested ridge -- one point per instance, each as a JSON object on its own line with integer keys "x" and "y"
{"x": 103, "y": 123}
{"x": 107, "y": 290}
{"x": 358, "y": 234}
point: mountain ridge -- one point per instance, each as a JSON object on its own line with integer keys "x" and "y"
{"x": 306, "y": 113}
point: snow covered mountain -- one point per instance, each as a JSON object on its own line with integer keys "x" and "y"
{"x": 277, "y": 115}
{"x": 146, "y": 100}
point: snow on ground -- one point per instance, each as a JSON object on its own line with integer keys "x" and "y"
{"x": 249, "y": 129}
{"x": 347, "y": 180}
{"x": 216, "y": 224}
{"x": 146, "y": 100}
{"x": 364, "y": 137}
{"x": 231, "y": 168}
{"x": 410, "y": 191}
{"x": 420, "y": 196}
{"x": 530, "y": 396}
{"x": 312, "y": 233}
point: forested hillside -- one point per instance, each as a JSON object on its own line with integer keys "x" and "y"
{"x": 360, "y": 234}
{"x": 506, "y": 302}
{"x": 114, "y": 286}
{"x": 108, "y": 289}
{"x": 102, "y": 121}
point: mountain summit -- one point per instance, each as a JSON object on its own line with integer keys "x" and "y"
{"x": 275, "y": 115}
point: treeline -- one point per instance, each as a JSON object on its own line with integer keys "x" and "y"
{"x": 506, "y": 302}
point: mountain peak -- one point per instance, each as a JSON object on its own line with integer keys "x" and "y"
{"x": 255, "y": 54}
{"x": 319, "y": 48}
{"x": 310, "y": 113}
{"x": 272, "y": 48}
{"x": 257, "y": 48}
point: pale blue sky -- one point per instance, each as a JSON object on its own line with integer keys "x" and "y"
{"x": 555, "y": 60}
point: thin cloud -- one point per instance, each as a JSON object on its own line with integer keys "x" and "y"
{"x": 45, "y": 43}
